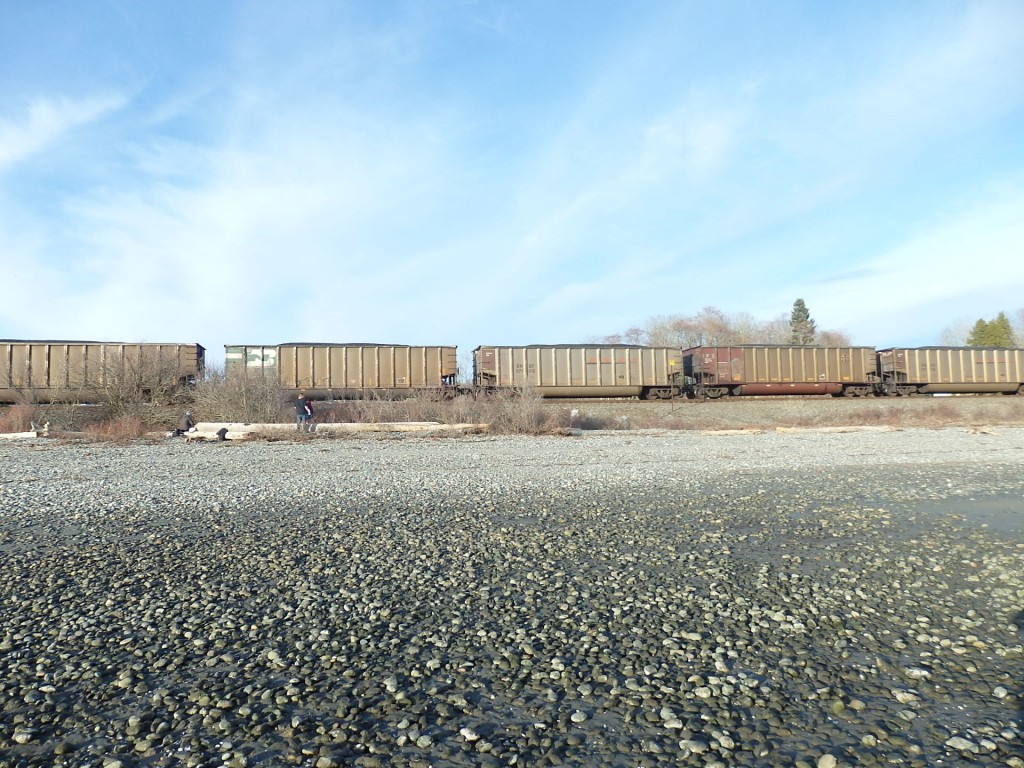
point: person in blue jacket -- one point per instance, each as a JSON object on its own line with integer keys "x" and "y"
{"x": 302, "y": 413}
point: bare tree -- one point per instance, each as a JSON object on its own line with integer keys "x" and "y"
{"x": 833, "y": 338}
{"x": 709, "y": 326}
{"x": 713, "y": 327}
{"x": 774, "y": 331}
{"x": 955, "y": 334}
{"x": 716, "y": 326}
{"x": 674, "y": 331}
{"x": 744, "y": 328}
{"x": 634, "y": 335}
{"x": 129, "y": 382}
{"x": 249, "y": 397}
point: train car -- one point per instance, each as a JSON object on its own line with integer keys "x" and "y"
{"x": 714, "y": 372}
{"x": 348, "y": 371}
{"x": 598, "y": 370}
{"x": 88, "y": 371}
{"x": 951, "y": 370}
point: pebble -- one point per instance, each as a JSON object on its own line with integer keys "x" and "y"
{"x": 961, "y": 744}
{"x": 620, "y": 598}
{"x": 22, "y": 736}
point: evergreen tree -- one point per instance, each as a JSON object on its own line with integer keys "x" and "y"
{"x": 978, "y": 337}
{"x": 993, "y": 333}
{"x": 1002, "y": 332}
{"x": 801, "y": 324}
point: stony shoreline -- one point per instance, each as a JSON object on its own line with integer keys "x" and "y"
{"x": 618, "y": 598}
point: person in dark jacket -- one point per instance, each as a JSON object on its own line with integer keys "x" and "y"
{"x": 301, "y": 413}
{"x": 309, "y": 415}
{"x": 185, "y": 424}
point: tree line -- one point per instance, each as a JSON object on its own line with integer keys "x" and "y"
{"x": 713, "y": 327}
{"x": 998, "y": 332}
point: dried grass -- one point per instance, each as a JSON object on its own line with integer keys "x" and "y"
{"x": 768, "y": 413}
{"x": 506, "y": 412}
{"x": 260, "y": 400}
{"x": 120, "y": 429}
{"x": 18, "y": 418}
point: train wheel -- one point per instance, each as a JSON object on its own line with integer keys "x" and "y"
{"x": 656, "y": 394}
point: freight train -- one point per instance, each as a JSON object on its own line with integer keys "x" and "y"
{"x": 648, "y": 373}
{"x": 91, "y": 371}
{"x": 43, "y": 371}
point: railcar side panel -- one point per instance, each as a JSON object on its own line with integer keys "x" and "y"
{"x": 348, "y": 370}
{"x": 780, "y": 370}
{"x": 951, "y": 370}
{"x": 580, "y": 371}
{"x": 81, "y": 371}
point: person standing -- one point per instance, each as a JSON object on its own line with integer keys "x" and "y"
{"x": 309, "y": 415}
{"x": 301, "y": 412}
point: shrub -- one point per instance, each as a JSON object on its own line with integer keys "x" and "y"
{"x": 249, "y": 399}
{"x": 18, "y": 418}
{"x": 520, "y": 413}
{"x": 132, "y": 386}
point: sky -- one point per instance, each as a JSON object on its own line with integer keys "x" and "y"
{"x": 505, "y": 172}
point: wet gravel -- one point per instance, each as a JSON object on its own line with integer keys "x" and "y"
{"x": 804, "y": 599}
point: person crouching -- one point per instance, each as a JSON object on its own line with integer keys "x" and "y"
{"x": 185, "y": 424}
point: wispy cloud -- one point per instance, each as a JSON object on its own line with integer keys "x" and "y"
{"x": 975, "y": 251}
{"x": 961, "y": 74}
{"x": 46, "y": 120}
{"x": 357, "y": 173}
{"x": 690, "y": 145}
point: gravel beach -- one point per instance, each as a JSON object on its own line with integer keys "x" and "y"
{"x": 644, "y": 598}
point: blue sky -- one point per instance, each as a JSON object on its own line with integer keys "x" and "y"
{"x": 505, "y": 172}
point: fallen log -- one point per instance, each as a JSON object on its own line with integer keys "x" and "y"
{"x": 18, "y": 435}
{"x": 241, "y": 431}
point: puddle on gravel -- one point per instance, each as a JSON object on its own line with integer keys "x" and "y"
{"x": 1002, "y": 513}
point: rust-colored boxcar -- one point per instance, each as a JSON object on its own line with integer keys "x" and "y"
{"x": 951, "y": 370}
{"x": 599, "y": 370}
{"x": 326, "y": 371}
{"x": 780, "y": 370}
{"x": 85, "y": 371}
